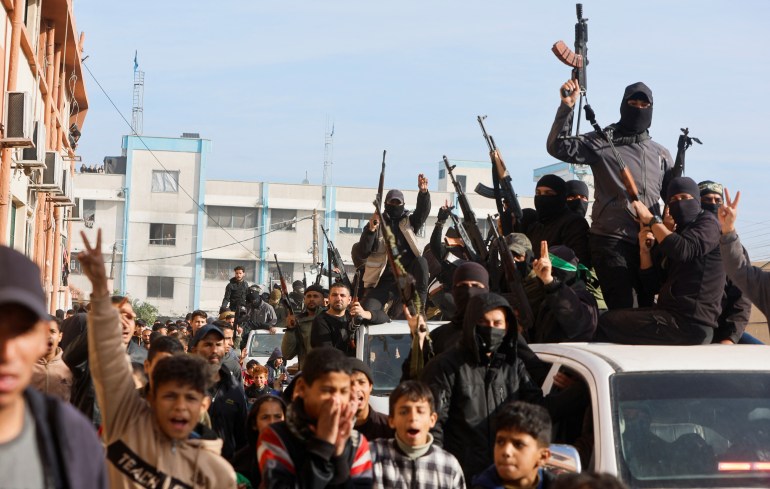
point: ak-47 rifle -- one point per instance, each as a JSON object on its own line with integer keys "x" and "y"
{"x": 468, "y": 229}
{"x": 521, "y": 303}
{"x": 685, "y": 141}
{"x": 379, "y": 197}
{"x": 577, "y": 59}
{"x": 405, "y": 283}
{"x": 357, "y": 320}
{"x": 503, "y": 186}
{"x": 284, "y": 290}
{"x": 335, "y": 261}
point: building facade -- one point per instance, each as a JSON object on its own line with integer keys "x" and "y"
{"x": 172, "y": 238}
{"x": 43, "y": 109}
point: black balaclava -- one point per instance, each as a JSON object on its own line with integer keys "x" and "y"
{"x": 551, "y": 206}
{"x": 708, "y": 187}
{"x": 394, "y": 212}
{"x": 684, "y": 211}
{"x": 634, "y": 120}
{"x": 578, "y": 206}
{"x": 461, "y": 295}
{"x": 528, "y": 217}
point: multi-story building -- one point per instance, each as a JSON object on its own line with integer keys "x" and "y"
{"x": 43, "y": 108}
{"x": 172, "y": 238}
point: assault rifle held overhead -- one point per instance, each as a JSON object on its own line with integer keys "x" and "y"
{"x": 284, "y": 292}
{"x": 502, "y": 190}
{"x": 378, "y": 198}
{"x": 468, "y": 229}
{"x": 577, "y": 59}
{"x": 335, "y": 261}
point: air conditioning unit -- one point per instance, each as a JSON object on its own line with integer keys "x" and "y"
{"x": 75, "y": 212}
{"x": 17, "y": 121}
{"x": 52, "y": 174}
{"x": 63, "y": 197}
{"x": 34, "y": 157}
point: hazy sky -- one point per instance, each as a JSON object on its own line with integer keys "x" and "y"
{"x": 260, "y": 79}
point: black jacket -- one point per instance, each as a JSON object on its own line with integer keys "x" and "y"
{"x": 70, "y": 450}
{"x": 647, "y": 160}
{"x": 228, "y": 413}
{"x": 568, "y": 313}
{"x": 328, "y": 330}
{"x": 736, "y": 310}
{"x": 470, "y": 388}
{"x": 568, "y": 229}
{"x": 376, "y": 426}
{"x": 688, "y": 275}
{"x": 235, "y": 294}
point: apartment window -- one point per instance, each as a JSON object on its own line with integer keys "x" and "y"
{"x": 215, "y": 269}
{"x": 89, "y": 213}
{"x": 232, "y": 217}
{"x": 352, "y": 222}
{"x": 282, "y": 219}
{"x": 165, "y": 181}
{"x": 163, "y": 234}
{"x": 160, "y": 287}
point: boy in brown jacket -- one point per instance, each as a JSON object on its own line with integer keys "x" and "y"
{"x": 50, "y": 374}
{"x": 147, "y": 444}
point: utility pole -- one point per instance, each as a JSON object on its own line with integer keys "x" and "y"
{"x": 315, "y": 235}
{"x": 112, "y": 261}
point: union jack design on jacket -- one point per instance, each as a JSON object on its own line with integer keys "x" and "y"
{"x": 290, "y": 456}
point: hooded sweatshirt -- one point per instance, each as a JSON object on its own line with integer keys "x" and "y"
{"x": 272, "y": 371}
{"x": 470, "y": 387}
{"x": 139, "y": 454}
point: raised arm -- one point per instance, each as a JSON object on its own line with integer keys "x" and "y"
{"x": 108, "y": 362}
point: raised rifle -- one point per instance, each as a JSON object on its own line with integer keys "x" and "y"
{"x": 502, "y": 185}
{"x": 335, "y": 261}
{"x": 515, "y": 282}
{"x": 379, "y": 197}
{"x": 684, "y": 142}
{"x": 284, "y": 290}
{"x": 468, "y": 229}
{"x": 577, "y": 59}
{"x": 405, "y": 283}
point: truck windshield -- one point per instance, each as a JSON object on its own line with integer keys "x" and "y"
{"x": 262, "y": 345}
{"x": 692, "y": 429}
{"x": 385, "y": 353}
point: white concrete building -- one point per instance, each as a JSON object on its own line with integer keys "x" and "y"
{"x": 176, "y": 238}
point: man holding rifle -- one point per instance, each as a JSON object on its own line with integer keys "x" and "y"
{"x": 379, "y": 281}
{"x": 613, "y": 233}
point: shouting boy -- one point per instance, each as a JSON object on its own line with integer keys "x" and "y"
{"x": 147, "y": 443}
{"x": 411, "y": 460}
{"x": 317, "y": 446}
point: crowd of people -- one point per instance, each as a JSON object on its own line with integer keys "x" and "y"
{"x": 98, "y": 398}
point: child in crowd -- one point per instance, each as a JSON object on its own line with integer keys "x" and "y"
{"x": 317, "y": 446}
{"x": 249, "y": 373}
{"x": 265, "y": 411}
{"x": 522, "y": 440}
{"x": 260, "y": 386}
{"x": 51, "y": 375}
{"x": 411, "y": 460}
{"x": 276, "y": 370}
{"x": 147, "y": 443}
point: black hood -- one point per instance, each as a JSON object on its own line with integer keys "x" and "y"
{"x": 634, "y": 120}
{"x": 477, "y": 306}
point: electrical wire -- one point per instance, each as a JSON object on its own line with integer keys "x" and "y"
{"x": 277, "y": 228}
{"x": 133, "y": 132}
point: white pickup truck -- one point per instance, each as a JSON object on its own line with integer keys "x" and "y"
{"x": 662, "y": 416}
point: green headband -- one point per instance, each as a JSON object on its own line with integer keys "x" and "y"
{"x": 557, "y": 262}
